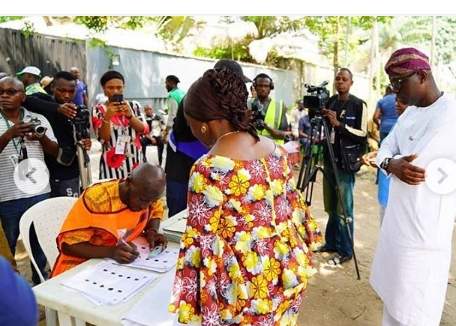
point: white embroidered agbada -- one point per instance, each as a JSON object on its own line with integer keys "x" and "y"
{"x": 411, "y": 264}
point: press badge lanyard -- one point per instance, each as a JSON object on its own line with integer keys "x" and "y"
{"x": 122, "y": 141}
{"x": 8, "y": 126}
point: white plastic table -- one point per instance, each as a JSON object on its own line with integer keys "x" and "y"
{"x": 73, "y": 308}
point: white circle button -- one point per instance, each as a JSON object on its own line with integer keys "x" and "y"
{"x": 31, "y": 176}
{"x": 441, "y": 176}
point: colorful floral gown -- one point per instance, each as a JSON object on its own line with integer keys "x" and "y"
{"x": 245, "y": 255}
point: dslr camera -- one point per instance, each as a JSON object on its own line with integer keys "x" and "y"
{"x": 316, "y": 99}
{"x": 36, "y": 126}
{"x": 259, "y": 113}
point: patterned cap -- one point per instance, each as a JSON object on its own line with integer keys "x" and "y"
{"x": 405, "y": 61}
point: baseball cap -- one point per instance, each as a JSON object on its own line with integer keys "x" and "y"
{"x": 46, "y": 80}
{"x": 233, "y": 66}
{"x": 30, "y": 70}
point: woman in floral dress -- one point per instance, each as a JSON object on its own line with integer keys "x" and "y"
{"x": 245, "y": 255}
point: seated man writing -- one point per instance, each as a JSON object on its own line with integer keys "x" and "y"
{"x": 111, "y": 214}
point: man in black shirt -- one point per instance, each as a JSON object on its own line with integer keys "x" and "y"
{"x": 59, "y": 110}
{"x": 184, "y": 149}
{"x": 347, "y": 117}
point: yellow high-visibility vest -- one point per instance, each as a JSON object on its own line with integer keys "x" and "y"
{"x": 273, "y": 119}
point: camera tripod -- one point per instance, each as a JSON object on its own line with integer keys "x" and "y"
{"x": 85, "y": 172}
{"x": 311, "y": 164}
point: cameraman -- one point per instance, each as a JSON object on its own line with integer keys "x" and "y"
{"x": 63, "y": 170}
{"x": 271, "y": 120}
{"x": 347, "y": 118}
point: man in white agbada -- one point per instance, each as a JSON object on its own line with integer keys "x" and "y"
{"x": 411, "y": 264}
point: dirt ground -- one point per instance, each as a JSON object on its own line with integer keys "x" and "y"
{"x": 334, "y": 296}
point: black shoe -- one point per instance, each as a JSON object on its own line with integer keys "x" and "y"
{"x": 339, "y": 260}
{"x": 325, "y": 249}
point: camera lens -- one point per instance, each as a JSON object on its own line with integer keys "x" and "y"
{"x": 40, "y": 130}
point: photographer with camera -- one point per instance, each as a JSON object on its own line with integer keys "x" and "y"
{"x": 269, "y": 115}
{"x": 119, "y": 126}
{"x": 23, "y": 135}
{"x": 65, "y": 170}
{"x": 62, "y": 114}
{"x": 347, "y": 118}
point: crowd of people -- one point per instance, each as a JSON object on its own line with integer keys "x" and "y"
{"x": 246, "y": 253}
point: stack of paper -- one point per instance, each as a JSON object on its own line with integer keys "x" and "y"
{"x": 175, "y": 226}
{"x": 109, "y": 283}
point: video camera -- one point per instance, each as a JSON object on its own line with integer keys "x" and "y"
{"x": 81, "y": 122}
{"x": 259, "y": 114}
{"x": 317, "y": 98}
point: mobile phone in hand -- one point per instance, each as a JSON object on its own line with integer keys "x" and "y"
{"x": 116, "y": 98}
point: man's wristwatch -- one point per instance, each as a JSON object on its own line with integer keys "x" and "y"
{"x": 384, "y": 165}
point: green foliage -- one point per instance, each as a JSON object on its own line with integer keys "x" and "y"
{"x": 28, "y": 29}
{"x": 96, "y": 43}
{"x": 236, "y": 50}
{"x": 445, "y": 40}
{"x": 268, "y": 26}
{"x": 95, "y": 23}
{"x": 4, "y": 19}
{"x": 171, "y": 28}
{"x": 175, "y": 28}
{"x": 335, "y": 31}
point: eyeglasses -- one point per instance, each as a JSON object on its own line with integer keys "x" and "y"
{"x": 397, "y": 82}
{"x": 9, "y": 92}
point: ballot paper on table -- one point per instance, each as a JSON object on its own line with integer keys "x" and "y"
{"x": 107, "y": 283}
{"x": 161, "y": 263}
{"x": 152, "y": 308}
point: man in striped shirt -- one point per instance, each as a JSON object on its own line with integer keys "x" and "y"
{"x": 18, "y": 138}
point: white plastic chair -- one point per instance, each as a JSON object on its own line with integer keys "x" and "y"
{"x": 47, "y": 217}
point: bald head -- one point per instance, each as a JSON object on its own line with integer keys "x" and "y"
{"x": 75, "y": 72}
{"x": 148, "y": 177}
{"x": 145, "y": 185}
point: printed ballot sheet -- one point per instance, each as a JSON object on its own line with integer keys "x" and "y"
{"x": 160, "y": 263}
{"x": 107, "y": 283}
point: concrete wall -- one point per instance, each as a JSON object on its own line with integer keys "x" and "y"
{"x": 145, "y": 73}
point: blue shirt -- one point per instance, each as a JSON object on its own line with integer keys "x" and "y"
{"x": 17, "y": 302}
{"x": 81, "y": 90}
{"x": 387, "y": 106}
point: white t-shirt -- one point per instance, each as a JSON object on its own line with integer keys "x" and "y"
{"x": 8, "y": 188}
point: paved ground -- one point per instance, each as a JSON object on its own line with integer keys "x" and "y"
{"x": 334, "y": 296}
